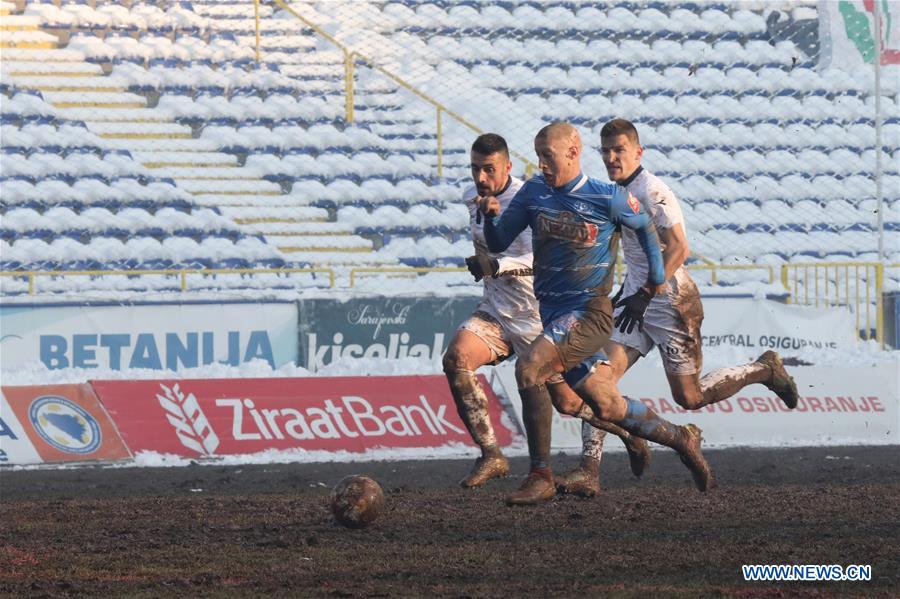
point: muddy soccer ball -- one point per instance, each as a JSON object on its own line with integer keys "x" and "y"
{"x": 356, "y": 501}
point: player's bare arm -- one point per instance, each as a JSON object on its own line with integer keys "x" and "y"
{"x": 675, "y": 248}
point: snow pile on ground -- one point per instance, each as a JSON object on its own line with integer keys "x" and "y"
{"x": 864, "y": 354}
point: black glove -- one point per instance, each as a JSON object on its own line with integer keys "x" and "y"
{"x": 633, "y": 314}
{"x": 615, "y": 298}
{"x": 482, "y": 266}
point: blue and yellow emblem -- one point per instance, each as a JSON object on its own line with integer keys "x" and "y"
{"x": 65, "y": 425}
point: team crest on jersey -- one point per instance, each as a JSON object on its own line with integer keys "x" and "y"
{"x": 568, "y": 227}
{"x": 582, "y": 206}
{"x": 634, "y": 204}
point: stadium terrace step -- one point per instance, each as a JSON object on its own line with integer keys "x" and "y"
{"x": 38, "y": 55}
{"x": 163, "y": 145}
{"x": 136, "y": 115}
{"x": 252, "y": 214}
{"x": 36, "y": 68}
{"x": 67, "y": 84}
{"x": 237, "y": 187}
{"x": 7, "y": 8}
{"x": 95, "y": 100}
{"x": 159, "y": 160}
{"x": 28, "y": 39}
{"x": 302, "y": 226}
{"x": 19, "y": 23}
{"x": 231, "y": 173}
{"x": 280, "y": 230}
{"x": 330, "y": 258}
{"x": 139, "y": 130}
{"x": 254, "y": 202}
{"x": 320, "y": 243}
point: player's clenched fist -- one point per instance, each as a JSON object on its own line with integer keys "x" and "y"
{"x": 489, "y": 206}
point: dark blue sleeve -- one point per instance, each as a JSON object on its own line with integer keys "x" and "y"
{"x": 626, "y": 210}
{"x": 500, "y": 231}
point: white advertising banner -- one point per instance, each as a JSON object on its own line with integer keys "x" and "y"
{"x": 15, "y": 446}
{"x": 838, "y": 406}
{"x": 163, "y": 336}
{"x": 761, "y": 325}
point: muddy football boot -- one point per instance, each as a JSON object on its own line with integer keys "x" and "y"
{"x": 638, "y": 454}
{"x": 692, "y": 457}
{"x": 486, "y": 468}
{"x": 781, "y": 383}
{"x": 582, "y": 481}
{"x": 537, "y": 488}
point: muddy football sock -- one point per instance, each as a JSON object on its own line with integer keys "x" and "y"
{"x": 645, "y": 423}
{"x": 537, "y": 415}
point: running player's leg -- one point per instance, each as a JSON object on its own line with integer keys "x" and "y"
{"x": 584, "y": 480}
{"x": 477, "y": 342}
{"x": 675, "y": 328}
{"x": 599, "y": 390}
{"x": 539, "y": 363}
{"x": 768, "y": 369}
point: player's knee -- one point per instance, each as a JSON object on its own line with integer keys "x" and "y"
{"x": 528, "y": 372}
{"x": 600, "y": 393}
{"x": 565, "y": 401}
{"x": 568, "y": 407}
{"x": 689, "y": 399}
{"x": 455, "y": 359}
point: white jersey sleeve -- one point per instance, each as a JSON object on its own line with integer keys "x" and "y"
{"x": 665, "y": 211}
{"x": 511, "y": 294}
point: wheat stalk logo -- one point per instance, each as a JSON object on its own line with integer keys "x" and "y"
{"x": 190, "y": 423}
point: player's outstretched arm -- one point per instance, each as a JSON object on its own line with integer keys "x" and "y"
{"x": 501, "y": 230}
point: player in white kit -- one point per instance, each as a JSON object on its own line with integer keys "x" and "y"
{"x": 672, "y": 319}
{"x": 504, "y": 323}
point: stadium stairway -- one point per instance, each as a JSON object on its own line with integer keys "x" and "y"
{"x": 84, "y": 91}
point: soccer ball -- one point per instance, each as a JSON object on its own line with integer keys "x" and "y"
{"x": 356, "y": 501}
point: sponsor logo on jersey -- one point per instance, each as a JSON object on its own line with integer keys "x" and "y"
{"x": 634, "y": 204}
{"x": 65, "y": 425}
{"x": 569, "y": 227}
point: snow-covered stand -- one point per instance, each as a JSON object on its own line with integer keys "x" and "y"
{"x": 170, "y": 95}
{"x": 164, "y": 107}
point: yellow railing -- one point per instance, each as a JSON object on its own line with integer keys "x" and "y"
{"x": 351, "y": 57}
{"x": 354, "y": 273}
{"x": 712, "y": 267}
{"x": 867, "y": 277}
{"x": 31, "y": 275}
{"x": 856, "y": 285}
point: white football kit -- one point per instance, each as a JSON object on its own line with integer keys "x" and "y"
{"x": 673, "y": 318}
{"x": 507, "y": 318}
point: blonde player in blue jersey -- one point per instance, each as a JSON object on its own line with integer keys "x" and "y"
{"x": 504, "y": 323}
{"x": 673, "y": 316}
{"x": 574, "y": 221}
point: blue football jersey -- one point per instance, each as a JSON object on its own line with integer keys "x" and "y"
{"x": 574, "y": 236}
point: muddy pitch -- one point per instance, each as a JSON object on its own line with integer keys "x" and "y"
{"x": 266, "y": 530}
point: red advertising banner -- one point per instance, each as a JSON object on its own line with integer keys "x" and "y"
{"x": 241, "y": 416}
{"x": 65, "y": 423}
